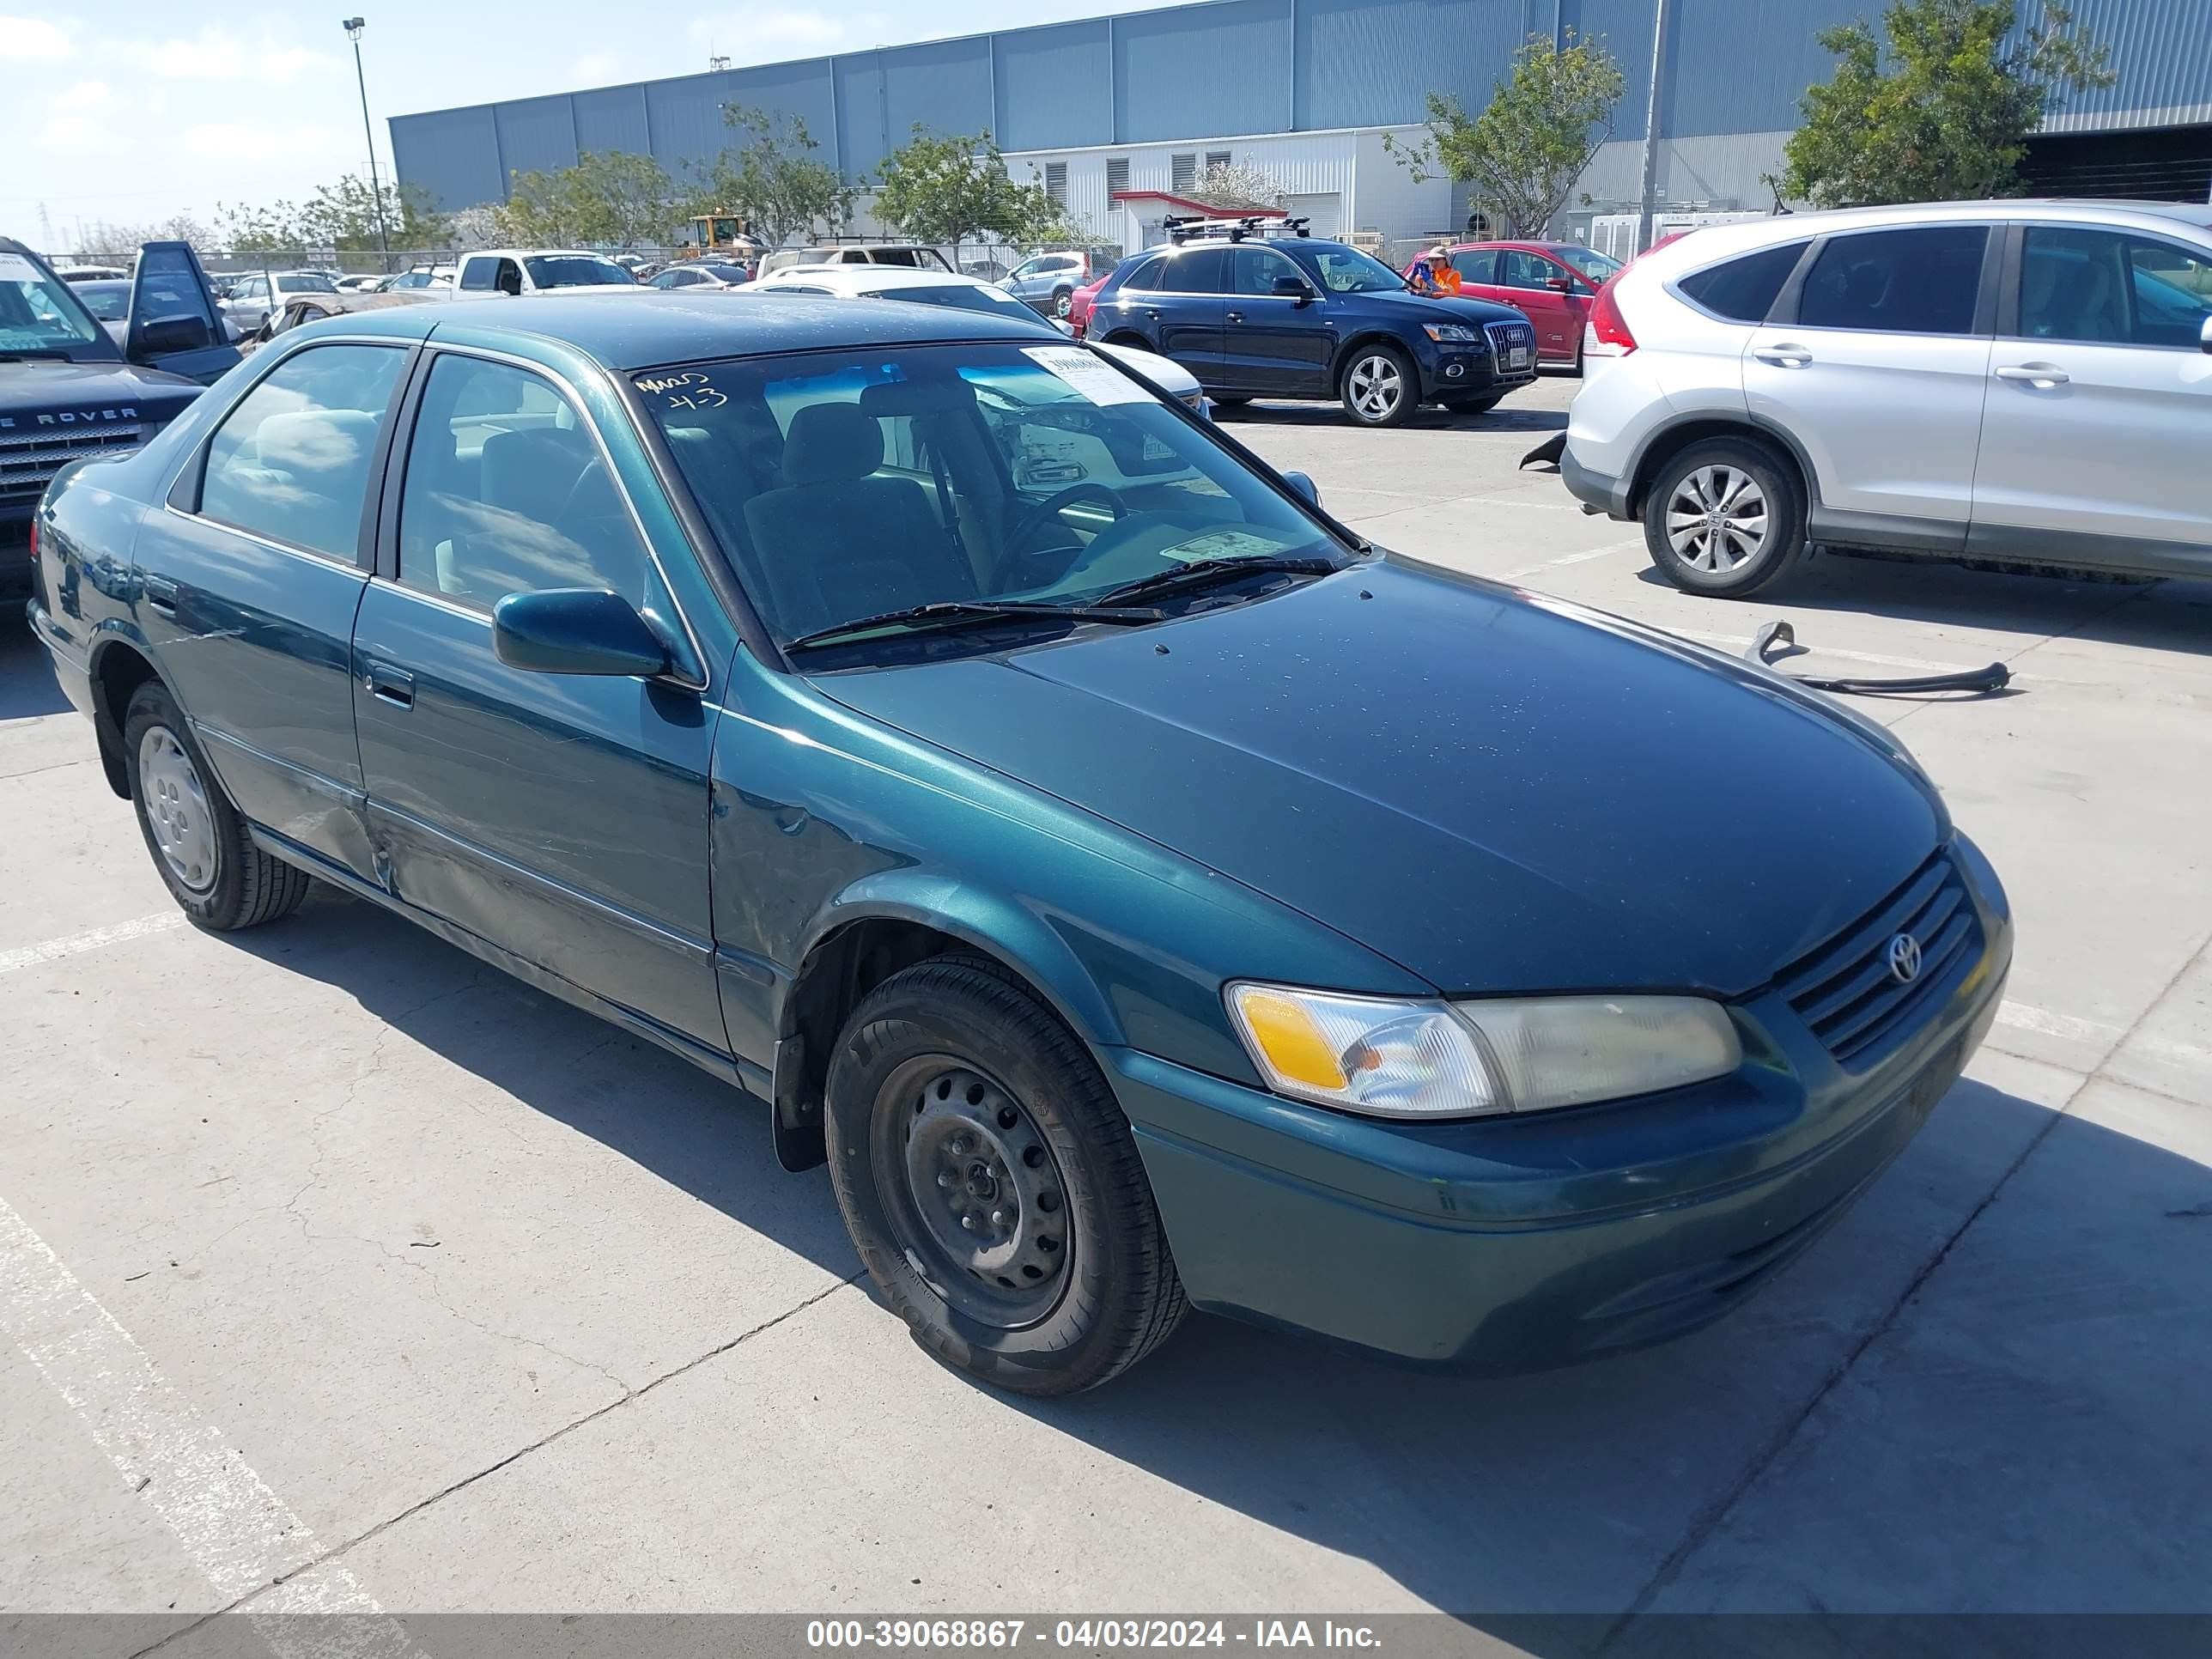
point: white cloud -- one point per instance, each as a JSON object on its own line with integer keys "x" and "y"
{"x": 33, "y": 40}
{"x": 216, "y": 54}
{"x": 77, "y": 120}
{"x": 750, "y": 37}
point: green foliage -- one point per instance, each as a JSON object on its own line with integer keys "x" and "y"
{"x": 772, "y": 181}
{"x": 610, "y": 198}
{"x": 1944, "y": 114}
{"x": 946, "y": 190}
{"x": 1521, "y": 155}
{"x": 340, "y": 216}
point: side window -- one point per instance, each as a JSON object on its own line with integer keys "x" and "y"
{"x": 1027, "y": 268}
{"x": 2104, "y": 286}
{"x": 291, "y": 461}
{"x": 507, "y": 492}
{"x": 1199, "y": 271}
{"x": 1921, "y": 280}
{"x": 1477, "y": 265}
{"x": 477, "y": 272}
{"x": 508, "y": 277}
{"x": 1744, "y": 291}
{"x": 1518, "y": 270}
{"x": 1144, "y": 277}
{"x": 1257, "y": 268}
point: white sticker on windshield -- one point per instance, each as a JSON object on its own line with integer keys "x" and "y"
{"x": 15, "y": 268}
{"x": 1100, "y": 382}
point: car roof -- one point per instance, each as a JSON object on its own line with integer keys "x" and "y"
{"x": 668, "y": 326}
{"x": 1700, "y": 244}
{"x": 871, "y": 277}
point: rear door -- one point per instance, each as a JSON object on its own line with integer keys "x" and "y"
{"x": 248, "y": 587}
{"x": 1270, "y": 343}
{"x": 2100, "y": 401}
{"x": 1875, "y": 359}
{"x": 1185, "y": 310}
{"x": 562, "y": 816}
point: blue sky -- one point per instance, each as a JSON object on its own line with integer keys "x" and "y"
{"x": 129, "y": 109}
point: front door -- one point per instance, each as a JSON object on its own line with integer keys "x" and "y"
{"x": 1526, "y": 280}
{"x": 562, "y": 817}
{"x": 1271, "y": 342}
{"x": 1877, "y": 365}
{"x": 2100, "y": 401}
{"x": 246, "y": 589}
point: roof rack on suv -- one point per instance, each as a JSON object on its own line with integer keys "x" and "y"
{"x": 1192, "y": 228}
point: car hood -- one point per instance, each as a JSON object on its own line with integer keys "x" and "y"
{"x": 1498, "y": 793}
{"x": 1420, "y": 307}
{"x": 86, "y": 392}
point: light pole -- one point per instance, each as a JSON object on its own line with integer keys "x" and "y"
{"x": 354, "y": 26}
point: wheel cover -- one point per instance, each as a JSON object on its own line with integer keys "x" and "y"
{"x": 1062, "y": 304}
{"x": 176, "y": 807}
{"x": 1716, "y": 519}
{"x": 984, "y": 1218}
{"x": 1376, "y": 387}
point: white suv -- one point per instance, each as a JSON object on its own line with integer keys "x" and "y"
{"x": 2023, "y": 382}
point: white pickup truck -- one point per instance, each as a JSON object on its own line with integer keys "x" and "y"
{"x": 494, "y": 273}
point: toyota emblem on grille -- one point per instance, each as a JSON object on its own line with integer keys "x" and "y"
{"x": 1905, "y": 958}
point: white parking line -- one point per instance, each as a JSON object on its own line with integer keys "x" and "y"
{"x": 237, "y": 1531}
{"x": 2025, "y": 1016}
{"x": 52, "y": 949}
{"x": 1582, "y": 558}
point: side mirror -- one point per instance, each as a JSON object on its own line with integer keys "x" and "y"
{"x": 575, "y": 630}
{"x": 1293, "y": 288}
{"x": 2204, "y": 336}
{"x": 1560, "y": 285}
{"x": 1304, "y": 486}
{"x": 164, "y": 336}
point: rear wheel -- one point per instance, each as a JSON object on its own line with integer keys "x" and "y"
{"x": 200, "y": 845}
{"x": 1063, "y": 301}
{"x": 1724, "y": 517}
{"x": 988, "y": 1178}
{"x": 1379, "y": 387}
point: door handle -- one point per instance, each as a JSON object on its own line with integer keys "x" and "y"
{"x": 388, "y": 684}
{"x": 2034, "y": 373}
{"x": 1234, "y": 317}
{"x": 1785, "y": 356}
{"x": 161, "y": 595}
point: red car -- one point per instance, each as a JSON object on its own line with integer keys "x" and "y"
{"x": 1552, "y": 282}
{"x": 1078, "y": 304}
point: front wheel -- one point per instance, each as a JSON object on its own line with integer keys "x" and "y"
{"x": 200, "y": 845}
{"x": 1063, "y": 301}
{"x": 1725, "y": 517}
{"x": 1380, "y": 386}
{"x": 988, "y": 1178}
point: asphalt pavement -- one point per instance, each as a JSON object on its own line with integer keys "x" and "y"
{"x": 342, "y": 1271}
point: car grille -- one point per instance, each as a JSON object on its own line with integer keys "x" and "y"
{"x": 1845, "y": 991}
{"x": 1511, "y": 337}
{"x": 29, "y": 461}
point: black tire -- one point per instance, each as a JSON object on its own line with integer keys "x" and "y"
{"x": 219, "y": 877}
{"x": 1237, "y": 402}
{"x": 1373, "y": 411}
{"x": 951, "y": 1063}
{"x": 1733, "y": 552}
{"x": 1478, "y": 405}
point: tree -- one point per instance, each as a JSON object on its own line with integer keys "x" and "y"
{"x": 340, "y": 217}
{"x": 609, "y": 198}
{"x": 99, "y": 236}
{"x": 948, "y": 189}
{"x": 1946, "y": 115}
{"x": 1238, "y": 184}
{"x": 772, "y": 181}
{"x": 1521, "y": 155}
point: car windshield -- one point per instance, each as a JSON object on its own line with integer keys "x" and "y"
{"x": 40, "y": 313}
{"x": 575, "y": 271}
{"x": 1590, "y": 262}
{"x": 848, "y": 485}
{"x": 1347, "y": 271}
{"x": 305, "y": 282}
{"x": 109, "y": 302}
{"x": 960, "y": 297}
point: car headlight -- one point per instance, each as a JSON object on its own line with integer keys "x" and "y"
{"x": 1451, "y": 334}
{"x": 1385, "y": 1057}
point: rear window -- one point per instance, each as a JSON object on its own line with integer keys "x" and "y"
{"x": 1744, "y": 291}
{"x": 576, "y": 270}
{"x": 1922, "y": 280}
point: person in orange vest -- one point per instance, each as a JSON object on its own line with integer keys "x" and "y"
{"x": 1432, "y": 274}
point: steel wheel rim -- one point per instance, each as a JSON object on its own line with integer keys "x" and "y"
{"x": 1376, "y": 386}
{"x": 980, "y": 1193}
{"x": 1717, "y": 519}
{"x": 177, "y": 811}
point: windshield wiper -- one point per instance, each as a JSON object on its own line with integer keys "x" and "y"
{"x": 954, "y": 611}
{"x": 1206, "y": 573}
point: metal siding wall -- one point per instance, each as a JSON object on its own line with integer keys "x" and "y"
{"x": 536, "y": 134}
{"x": 1714, "y": 86}
{"x": 687, "y": 120}
{"x": 1223, "y": 68}
{"x": 2162, "y": 53}
{"x": 451, "y": 155}
{"x": 944, "y": 87}
{"x": 1625, "y": 26}
{"x": 860, "y": 124}
{"x": 611, "y": 118}
{"x": 1361, "y": 63}
{"x": 1055, "y": 86}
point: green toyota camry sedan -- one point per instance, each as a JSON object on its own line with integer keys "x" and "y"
{"x": 1146, "y": 893}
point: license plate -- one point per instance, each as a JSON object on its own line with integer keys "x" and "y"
{"x": 1517, "y": 358}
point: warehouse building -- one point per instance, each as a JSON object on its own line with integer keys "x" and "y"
{"x": 1117, "y": 115}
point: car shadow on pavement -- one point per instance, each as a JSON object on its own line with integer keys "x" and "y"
{"x": 27, "y": 675}
{"x": 2044, "y": 1389}
{"x": 2172, "y": 615}
{"x": 1503, "y": 418}
{"x": 698, "y": 1135}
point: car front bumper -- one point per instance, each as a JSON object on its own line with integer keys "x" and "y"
{"x": 1514, "y": 1243}
{"x": 1457, "y": 371}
